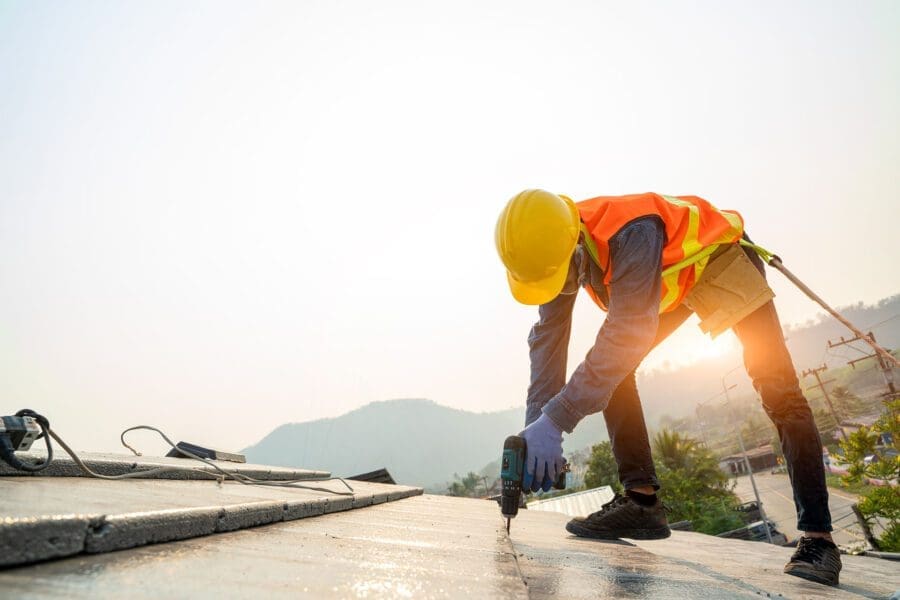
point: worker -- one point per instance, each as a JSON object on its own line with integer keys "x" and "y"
{"x": 642, "y": 258}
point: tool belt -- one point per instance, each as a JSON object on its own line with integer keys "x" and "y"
{"x": 729, "y": 289}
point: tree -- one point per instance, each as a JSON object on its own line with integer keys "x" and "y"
{"x": 846, "y": 402}
{"x": 602, "y": 468}
{"x": 826, "y": 424}
{"x": 880, "y": 506}
{"x": 692, "y": 485}
{"x": 673, "y": 449}
{"x": 466, "y": 486}
{"x": 757, "y": 430}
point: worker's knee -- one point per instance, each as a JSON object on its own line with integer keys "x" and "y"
{"x": 783, "y": 402}
{"x": 628, "y": 385}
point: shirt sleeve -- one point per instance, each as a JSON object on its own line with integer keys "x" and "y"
{"x": 627, "y": 333}
{"x": 548, "y": 345}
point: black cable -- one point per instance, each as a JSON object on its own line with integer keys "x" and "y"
{"x": 8, "y": 453}
{"x": 240, "y": 478}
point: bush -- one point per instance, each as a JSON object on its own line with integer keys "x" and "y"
{"x": 692, "y": 486}
{"x": 602, "y": 468}
{"x": 880, "y": 505}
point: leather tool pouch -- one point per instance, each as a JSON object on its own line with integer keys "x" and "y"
{"x": 729, "y": 289}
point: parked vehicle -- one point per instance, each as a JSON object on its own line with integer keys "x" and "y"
{"x": 749, "y": 512}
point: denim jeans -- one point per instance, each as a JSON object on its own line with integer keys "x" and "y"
{"x": 769, "y": 365}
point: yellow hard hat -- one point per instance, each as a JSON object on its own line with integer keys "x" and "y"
{"x": 536, "y": 236}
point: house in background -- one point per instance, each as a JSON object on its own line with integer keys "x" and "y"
{"x": 760, "y": 459}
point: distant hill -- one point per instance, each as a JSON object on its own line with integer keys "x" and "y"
{"x": 676, "y": 393}
{"x": 419, "y": 441}
{"x": 423, "y": 443}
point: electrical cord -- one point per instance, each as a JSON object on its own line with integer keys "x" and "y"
{"x": 8, "y": 454}
{"x": 245, "y": 479}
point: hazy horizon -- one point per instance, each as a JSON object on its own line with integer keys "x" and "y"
{"x": 217, "y": 217}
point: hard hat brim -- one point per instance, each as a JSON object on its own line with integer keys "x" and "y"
{"x": 538, "y": 292}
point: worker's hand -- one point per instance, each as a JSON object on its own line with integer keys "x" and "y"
{"x": 543, "y": 454}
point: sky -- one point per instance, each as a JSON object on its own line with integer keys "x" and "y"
{"x": 218, "y": 217}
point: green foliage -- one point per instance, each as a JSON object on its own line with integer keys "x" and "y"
{"x": 466, "y": 486}
{"x": 602, "y": 468}
{"x": 838, "y": 482}
{"x": 880, "y": 505}
{"x": 825, "y": 423}
{"x": 692, "y": 485}
{"x": 846, "y": 402}
{"x": 889, "y": 422}
{"x": 711, "y": 509}
{"x": 757, "y": 430}
{"x": 856, "y": 447}
{"x": 674, "y": 450}
{"x": 890, "y": 539}
{"x": 882, "y": 501}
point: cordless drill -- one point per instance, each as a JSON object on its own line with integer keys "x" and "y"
{"x": 512, "y": 473}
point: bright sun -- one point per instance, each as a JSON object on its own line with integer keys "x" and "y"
{"x": 688, "y": 345}
{"x": 717, "y": 347}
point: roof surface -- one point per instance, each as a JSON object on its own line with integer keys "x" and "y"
{"x": 761, "y": 451}
{"x": 180, "y": 468}
{"x": 51, "y": 517}
{"x": 141, "y": 538}
{"x": 437, "y": 547}
{"x": 579, "y": 504}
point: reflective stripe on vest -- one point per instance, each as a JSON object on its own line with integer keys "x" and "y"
{"x": 694, "y": 230}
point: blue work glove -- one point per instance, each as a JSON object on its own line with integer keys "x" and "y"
{"x": 543, "y": 454}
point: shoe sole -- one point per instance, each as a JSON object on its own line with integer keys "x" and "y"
{"x": 809, "y": 575}
{"x": 660, "y": 533}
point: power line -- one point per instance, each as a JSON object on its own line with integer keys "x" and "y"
{"x": 886, "y": 368}
{"x": 879, "y": 323}
{"x": 821, "y": 385}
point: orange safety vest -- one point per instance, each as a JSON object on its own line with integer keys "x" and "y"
{"x": 694, "y": 229}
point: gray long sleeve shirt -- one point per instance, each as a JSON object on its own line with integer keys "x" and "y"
{"x": 624, "y": 339}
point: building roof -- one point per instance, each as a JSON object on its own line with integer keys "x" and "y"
{"x": 754, "y": 453}
{"x": 579, "y": 504}
{"x": 177, "y": 468}
{"x": 378, "y": 476}
{"x": 418, "y": 546}
{"x": 53, "y": 517}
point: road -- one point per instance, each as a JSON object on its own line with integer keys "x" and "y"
{"x": 778, "y": 504}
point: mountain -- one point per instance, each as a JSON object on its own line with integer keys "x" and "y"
{"x": 419, "y": 441}
{"x": 677, "y": 392}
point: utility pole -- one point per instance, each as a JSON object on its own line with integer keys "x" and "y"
{"x": 886, "y": 369}
{"x": 775, "y": 262}
{"x": 759, "y": 503}
{"x": 821, "y": 386}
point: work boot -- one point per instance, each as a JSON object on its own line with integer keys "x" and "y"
{"x": 815, "y": 559}
{"x": 622, "y": 517}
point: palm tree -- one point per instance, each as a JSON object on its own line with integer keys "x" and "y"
{"x": 674, "y": 449}
{"x": 692, "y": 485}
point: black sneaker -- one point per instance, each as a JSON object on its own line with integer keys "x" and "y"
{"x": 815, "y": 559}
{"x": 622, "y": 517}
